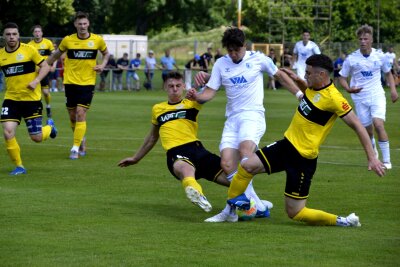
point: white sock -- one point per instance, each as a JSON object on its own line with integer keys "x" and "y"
{"x": 385, "y": 150}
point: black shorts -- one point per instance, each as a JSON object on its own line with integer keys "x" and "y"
{"x": 283, "y": 156}
{"x": 15, "y": 110}
{"x": 45, "y": 81}
{"x": 79, "y": 95}
{"x": 207, "y": 164}
{"x": 336, "y": 73}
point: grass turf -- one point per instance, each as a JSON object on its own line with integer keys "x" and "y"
{"x": 89, "y": 212}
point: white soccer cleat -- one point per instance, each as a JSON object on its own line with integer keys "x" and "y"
{"x": 388, "y": 165}
{"x": 198, "y": 199}
{"x": 267, "y": 204}
{"x": 223, "y": 217}
{"x": 353, "y": 220}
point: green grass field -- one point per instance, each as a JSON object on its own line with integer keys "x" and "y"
{"x": 89, "y": 212}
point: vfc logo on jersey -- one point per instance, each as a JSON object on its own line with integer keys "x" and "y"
{"x": 238, "y": 80}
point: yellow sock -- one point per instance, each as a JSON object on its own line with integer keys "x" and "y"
{"x": 191, "y": 181}
{"x": 47, "y": 99}
{"x": 239, "y": 182}
{"x": 46, "y": 130}
{"x": 14, "y": 151}
{"x": 315, "y": 217}
{"x": 79, "y": 132}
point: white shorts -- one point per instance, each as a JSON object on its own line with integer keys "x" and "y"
{"x": 244, "y": 126}
{"x": 369, "y": 108}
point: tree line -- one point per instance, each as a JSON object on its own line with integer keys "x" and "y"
{"x": 150, "y": 17}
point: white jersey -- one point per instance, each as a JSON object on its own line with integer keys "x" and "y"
{"x": 365, "y": 72}
{"x": 243, "y": 81}
{"x": 391, "y": 58}
{"x": 303, "y": 52}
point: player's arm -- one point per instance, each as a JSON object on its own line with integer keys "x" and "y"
{"x": 201, "y": 97}
{"x": 393, "y": 92}
{"x": 54, "y": 56}
{"x": 373, "y": 163}
{"x": 44, "y": 69}
{"x": 149, "y": 141}
{"x": 106, "y": 56}
{"x": 352, "y": 90}
{"x": 286, "y": 74}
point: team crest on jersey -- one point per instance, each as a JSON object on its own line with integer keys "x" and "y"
{"x": 42, "y": 46}
{"x": 180, "y": 106}
{"x": 20, "y": 56}
{"x": 90, "y": 44}
{"x": 316, "y": 98}
{"x": 227, "y": 70}
{"x": 249, "y": 65}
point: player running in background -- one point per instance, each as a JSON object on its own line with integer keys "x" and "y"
{"x": 45, "y": 48}
{"x": 297, "y": 152}
{"x": 175, "y": 123}
{"x": 80, "y": 76}
{"x": 241, "y": 73}
{"x": 18, "y": 61}
{"x": 301, "y": 51}
{"x": 364, "y": 66}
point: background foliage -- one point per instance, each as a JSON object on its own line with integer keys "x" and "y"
{"x": 150, "y": 17}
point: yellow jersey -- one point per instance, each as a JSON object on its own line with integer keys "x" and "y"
{"x": 45, "y": 47}
{"x": 314, "y": 119}
{"x": 177, "y": 122}
{"x": 81, "y": 58}
{"x": 19, "y": 68}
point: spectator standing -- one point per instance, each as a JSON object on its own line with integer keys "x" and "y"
{"x": 206, "y": 59}
{"x": 271, "y": 79}
{"x": 365, "y": 66}
{"x": 150, "y": 66}
{"x": 218, "y": 54}
{"x": 303, "y": 50}
{"x": 337, "y": 66}
{"x": 122, "y": 64}
{"x": 167, "y": 63}
{"x": 193, "y": 64}
{"x": 103, "y": 75}
{"x": 132, "y": 75}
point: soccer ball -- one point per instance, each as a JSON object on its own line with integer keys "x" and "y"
{"x": 247, "y": 215}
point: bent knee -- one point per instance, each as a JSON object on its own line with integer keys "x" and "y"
{"x": 36, "y": 138}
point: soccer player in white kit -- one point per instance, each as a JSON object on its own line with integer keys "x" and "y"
{"x": 241, "y": 73}
{"x": 302, "y": 50}
{"x": 364, "y": 66}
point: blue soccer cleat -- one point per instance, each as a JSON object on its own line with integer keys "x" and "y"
{"x": 18, "y": 170}
{"x": 241, "y": 201}
{"x": 263, "y": 214}
{"x": 53, "y": 132}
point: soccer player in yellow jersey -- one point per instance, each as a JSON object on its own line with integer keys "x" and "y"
{"x": 18, "y": 61}
{"x": 80, "y": 76}
{"x": 297, "y": 152}
{"x": 175, "y": 123}
{"x": 45, "y": 48}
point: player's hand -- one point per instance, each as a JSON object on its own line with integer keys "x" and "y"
{"x": 201, "y": 78}
{"x": 395, "y": 96}
{"x": 290, "y": 73}
{"x": 98, "y": 68}
{"x": 376, "y": 166}
{"x": 354, "y": 90}
{"x": 127, "y": 162}
{"x": 32, "y": 85}
{"x": 191, "y": 94}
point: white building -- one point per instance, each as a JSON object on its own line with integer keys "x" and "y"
{"x": 131, "y": 44}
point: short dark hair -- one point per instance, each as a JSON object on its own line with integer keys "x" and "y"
{"x": 320, "y": 61}
{"x": 233, "y": 37}
{"x": 81, "y": 15}
{"x": 306, "y": 30}
{"x": 36, "y": 26}
{"x": 174, "y": 75}
{"x": 11, "y": 25}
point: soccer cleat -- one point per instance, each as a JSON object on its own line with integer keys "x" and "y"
{"x": 223, "y": 217}
{"x": 388, "y": 165}
{"x": 82, "y": 148}
{"x": 18, "y": 170}
{"x": 241, "y": 201}
{"x": 53, "y": 132}
{"x": 197, "y": 198}
{"x": 267, "y": 204}
{"x": 353, "y": 220}
{"x": 74, "y": 154}
{"x": 263, "y": 214}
